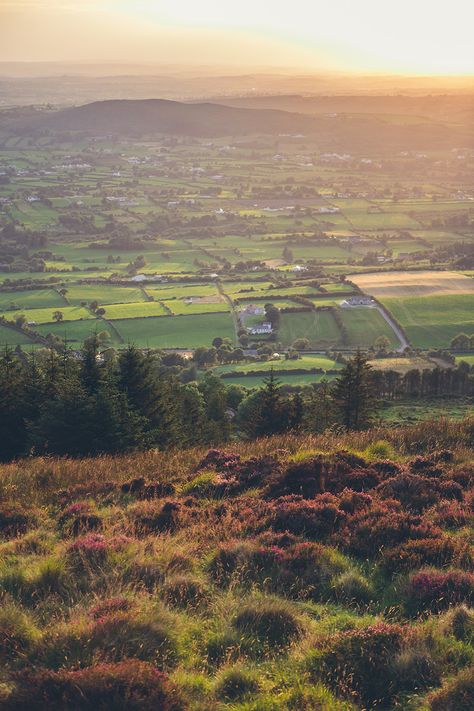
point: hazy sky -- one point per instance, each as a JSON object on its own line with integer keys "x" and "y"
{"x": 401, "y": 36}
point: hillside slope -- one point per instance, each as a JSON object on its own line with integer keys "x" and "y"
{"x": 313, "y": 572}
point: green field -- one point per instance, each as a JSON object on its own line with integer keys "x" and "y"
{"x": 256, "y": 381}
{"x": 10, "y": 337}
{"x": 175, "y": 331}
{"x": 75, "y": 332}
{"x": 104, "y": 294}
{"x": 34, "y": 298}
{"x": 319, "y": 327}
{"x": 306, "y": 361}
{"x": 364, "y": 325}
{"x": 70, "y": 313}
{"x": 136, "y": 310}
{"x": 432, "y": 321}
{"x": 467, "y": 358}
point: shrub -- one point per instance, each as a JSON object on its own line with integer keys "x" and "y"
{"x": 235, "y": 684}
{"x": 18, "y": 634}
{"x": 120, "y": 636}
{"x": 352, "y": 587}
{"x": 146, "y": 573}
{"x": 111, "y": 638}
{"x": 317, "y": 518}
{"x": 301, "y": 569}
{"x": 358, "y": 663}
{"x": 417, "y": 492}
{"x": 449, "y": 514}
{"x": 435, "y": 590}
{"x": 459, "y": 621}
{"x": 437, "y": 552}
{"x": 15, "y": 520}
{"x": 415, "y": 669}
{"x": 382, "y": 526}
{"x": 203, "y": 484}
{"x": 185, "y": 591}
{"x": 219, "y": 459}
{"x": 79, "y": 519}
{"x": 110, "y": 607}
{"x": 456, "y": 695}
{"x": 89, "y": 552}
{"x": 125, "y": 686}
{"x": 271, "y": 622}
{"x": 149, "y": 518}
{"x": 306, "y": 570}
{"x": 381, "y": 449}
{"x": 304, "y": 478}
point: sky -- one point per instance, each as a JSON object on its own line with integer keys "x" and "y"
{"x": 375, "y": 36}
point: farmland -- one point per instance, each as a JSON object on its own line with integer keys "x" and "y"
{"x": 166, "y": 243}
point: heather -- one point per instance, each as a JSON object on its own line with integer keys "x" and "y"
{"x": 317, "y": 572}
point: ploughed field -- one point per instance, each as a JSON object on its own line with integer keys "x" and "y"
{"x": 316, "y": 572}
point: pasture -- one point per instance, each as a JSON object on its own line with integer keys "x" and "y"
{"x": 319, "y": 327}
{"x": 175, "y": 331}
{"x": 432, "y": 321}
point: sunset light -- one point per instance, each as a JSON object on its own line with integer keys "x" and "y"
{"x": 408, "y": 36}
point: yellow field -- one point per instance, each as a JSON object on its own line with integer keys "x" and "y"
{"x": 424, "y": 283}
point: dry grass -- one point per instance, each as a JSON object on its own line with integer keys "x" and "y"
{"x": 420, "y": 283}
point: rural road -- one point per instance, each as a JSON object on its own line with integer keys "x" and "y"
{"x": 395, "y": 328}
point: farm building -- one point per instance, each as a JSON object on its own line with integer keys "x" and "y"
{"x": 361, "y": 300}
{"x": 254, "y": 310}
{"x": 265, "y": 327}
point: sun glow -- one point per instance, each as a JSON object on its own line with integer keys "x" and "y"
{"x": 403, "y": 36}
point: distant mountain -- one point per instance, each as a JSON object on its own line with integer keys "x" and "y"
{"x": 352, "y": 132}
{"x": 173, "y": 117}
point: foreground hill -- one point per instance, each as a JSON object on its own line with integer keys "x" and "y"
{"x": 328, "y": 572}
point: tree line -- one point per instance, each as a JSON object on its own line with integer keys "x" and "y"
{"x": 87, "y": 403}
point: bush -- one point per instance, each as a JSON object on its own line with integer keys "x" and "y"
{"x": 435, "y": 590}
{"x": 89, "y": 552}
{"x": 460, "y": 622}
{"x": 304, "y": 478}
{"x": 301, "y": 569}
{"x": 126, "y": 686}
{"x": 358, "y": 663}
{"x": 317, "y": 518}
{"x": 120, "y": 636}
{"x": 110, "y": 638}
{"x": 417, "y": 493}
{"x": 436, "y": 552}
{"x": 235, "y": 684}
{"x": 381, "y": 449}
{"x": 203, "y": 484}
{"x": 383, "y": 525}
{"x": 455, "y": 695}
{"x": 185, "y": 591}
{"x": 149, "y": 518}
{"x": 110, "y": 607}
{"x": 271, "y": 622}
{"x": 15, "y": 520}
{"x": 18, "y": 634}
{"x": 352, "y": 587}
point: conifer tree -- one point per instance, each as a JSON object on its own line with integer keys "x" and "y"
{"x": 354, "y": 394}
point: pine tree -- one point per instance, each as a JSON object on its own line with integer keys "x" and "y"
{"x": 354, "y": 394}
{"x": 271, "y": 418}
{"x": 14, "y": 407}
